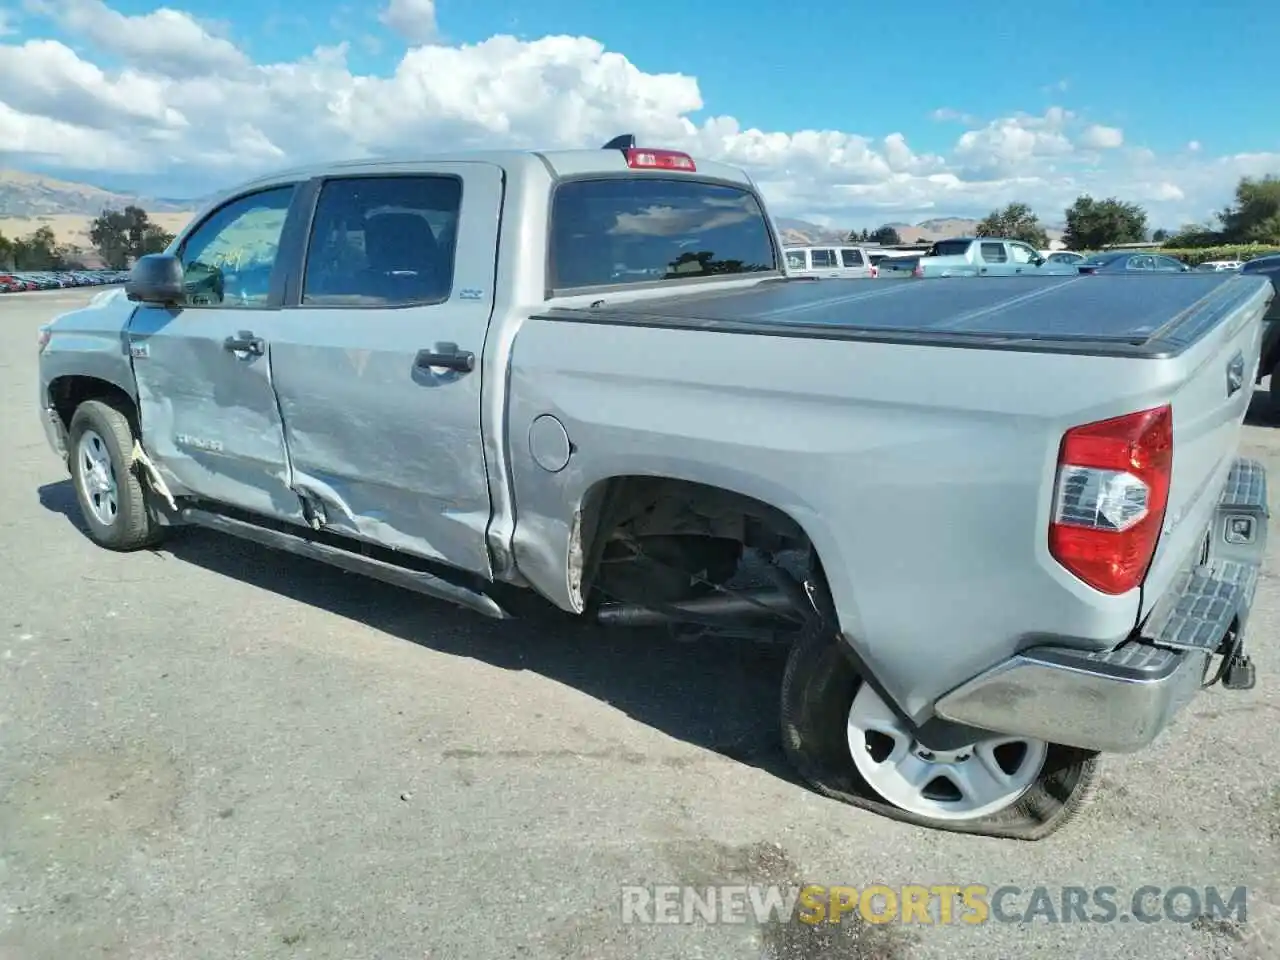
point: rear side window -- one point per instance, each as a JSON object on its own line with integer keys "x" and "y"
{"x": 823, "y": 258}
{"x": 994, "y": 253}
{"x": 383, "y": 241}
{"x": 795, "y": 259}
{"x": 852, "y": 258}
{"x": 640, "y": 230}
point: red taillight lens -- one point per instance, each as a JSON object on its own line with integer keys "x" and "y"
{"x": 639, "y": 158}
{"x": 42, "y": 338}
{"x": 1112, "y": 491}
{"x": 918, "y": 271}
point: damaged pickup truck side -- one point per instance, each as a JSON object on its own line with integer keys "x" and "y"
{"x": 1002, "y": 525}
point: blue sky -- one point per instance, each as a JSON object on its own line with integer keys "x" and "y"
{"x": 863, "y": 69}
{"x": 1144, "y": 67}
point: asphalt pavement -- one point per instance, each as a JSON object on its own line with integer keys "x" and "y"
{"x": 217, "y": 751}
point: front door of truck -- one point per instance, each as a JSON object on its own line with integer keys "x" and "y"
{"x": 376, "y": 359}
{"x": 208, "y": 413}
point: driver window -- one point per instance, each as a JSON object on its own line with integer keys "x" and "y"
{"x": 1021, "y": 254}
{"x": 227, "y": 261}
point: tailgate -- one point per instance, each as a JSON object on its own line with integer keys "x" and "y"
{"x": 1214, "y": 380}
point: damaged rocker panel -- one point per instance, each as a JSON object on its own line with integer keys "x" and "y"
{"x": 302, "y": 544}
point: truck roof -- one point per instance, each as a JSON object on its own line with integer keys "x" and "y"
{"x": 560, "y": 163}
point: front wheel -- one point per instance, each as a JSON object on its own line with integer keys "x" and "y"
{"x": 111, "y": 496}
{"x": 843, "y": 738}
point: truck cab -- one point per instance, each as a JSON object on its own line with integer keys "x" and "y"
{"x": 987, "y": 257}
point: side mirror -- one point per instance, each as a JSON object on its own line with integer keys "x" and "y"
{"x": 157, "y": 279}
{"x": 1039, "y": 261}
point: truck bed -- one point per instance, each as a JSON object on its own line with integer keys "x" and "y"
{"x": 1105, "y": 315}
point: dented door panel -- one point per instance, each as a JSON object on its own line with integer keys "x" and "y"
{"x": 209, "y": 417}
{"x": 388, "y": 447}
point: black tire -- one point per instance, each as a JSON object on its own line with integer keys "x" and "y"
{"x": 133, "y": 526}
{"x": 817, "y": 692}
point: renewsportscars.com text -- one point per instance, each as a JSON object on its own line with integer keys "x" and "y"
{"x": 932, "y": 904}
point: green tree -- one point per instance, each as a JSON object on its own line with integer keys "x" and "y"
{"x": 1094, "y": 224}
{"x": 886, "y": 236}
{"x": 6, "y": 253}
{"x": 123, "y": 235}
{"x": 1255, "y": 216}
{"x": 38, "y": 250}
{"x": 109, "y": 234}
{"x": 1014, "y": 222}
{"x": 1194, "y": 235}
{"x": 1160, "y": 236}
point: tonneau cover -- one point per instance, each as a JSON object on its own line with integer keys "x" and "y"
{"x": 1154, "y": 314}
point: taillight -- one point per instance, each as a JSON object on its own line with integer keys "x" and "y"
{"x": 1112, "y": 491}
{"x": 875, "y": 272}
{"x": 42, "y": 339}
{"x": 639, "y": 158}
{"x": 918, "y": 271}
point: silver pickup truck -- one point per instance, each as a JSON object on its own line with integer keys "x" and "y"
{"x": 1002, "y": 525}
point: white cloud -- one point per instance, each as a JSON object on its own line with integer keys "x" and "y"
{"x": 1194, "y": 146}
{"x": 415, "y": 20}
{"x": 1098, "y": 137}
{"x": 167, "y": 42}
{"x": 166, "y": 93}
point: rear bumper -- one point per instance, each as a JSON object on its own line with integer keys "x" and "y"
{"x": 1120, "y": 700}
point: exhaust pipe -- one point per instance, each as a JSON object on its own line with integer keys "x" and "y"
{"x": 718, "y": 606}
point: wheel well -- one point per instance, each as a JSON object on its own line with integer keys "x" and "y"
{"x": 651, "y": 507}
{"x": 67, "y": 393}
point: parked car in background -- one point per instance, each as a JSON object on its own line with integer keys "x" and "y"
{"x": 1122, "y": 261}
{"x": 1219, "y": 265}
{"x": 834, "y": 261}
{"x": 1269, "y": 356}
{"x": 985, "y": 256}
{"x": 22, "y": 281}
{"x": 1062, "y": 256}
{"x": 897, "y": 266}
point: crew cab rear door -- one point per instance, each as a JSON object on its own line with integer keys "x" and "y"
{"x": 376, "y": 360}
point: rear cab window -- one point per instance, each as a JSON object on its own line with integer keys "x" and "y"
{"x": 622, "y": 230}
{"x": 949, "y": 248}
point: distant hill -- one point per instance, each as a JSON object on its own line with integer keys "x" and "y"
{"x": 30, "y": 195}
{"x": 926, "y": 231}
{"x": 29, "y": 201}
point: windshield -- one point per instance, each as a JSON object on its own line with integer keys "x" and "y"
{"x": 636, "y": 230}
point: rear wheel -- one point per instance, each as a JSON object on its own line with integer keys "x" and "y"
{"x": 110, "y": 493}
{"x": 850, "y": 745}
